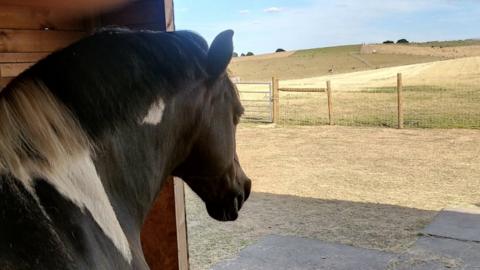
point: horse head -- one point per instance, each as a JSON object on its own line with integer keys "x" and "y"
{"x": 212, "y": 168}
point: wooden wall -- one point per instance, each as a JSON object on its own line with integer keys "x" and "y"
{"x": 27, "y": 34}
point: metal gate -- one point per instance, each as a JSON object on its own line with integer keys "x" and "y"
{"x": 256, "y": 98}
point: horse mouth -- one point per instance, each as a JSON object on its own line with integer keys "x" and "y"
{"x": 225, "y": 211}
{"x": 228, "y": 209}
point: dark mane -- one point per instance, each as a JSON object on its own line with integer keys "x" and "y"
{"x": 132, "y": 69}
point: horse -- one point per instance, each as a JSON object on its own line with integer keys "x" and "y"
{"x": 89, "y": 134}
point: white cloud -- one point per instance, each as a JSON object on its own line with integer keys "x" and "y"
{"x": 244, "y": 11}
{"x": 273, "y": 10}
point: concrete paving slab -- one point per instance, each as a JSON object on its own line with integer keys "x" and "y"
{"x": 463, "y": 253}
{"x": 292, "y": 253}
{"x": 456, "y": 223}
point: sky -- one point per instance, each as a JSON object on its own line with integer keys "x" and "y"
{"x": 262, "y": 26}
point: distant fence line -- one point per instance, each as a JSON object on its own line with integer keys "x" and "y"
{"x": 398, "y": 105}
{"x": 328, "y": 90}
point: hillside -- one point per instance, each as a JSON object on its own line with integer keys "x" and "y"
{"x": 345, "y": 59}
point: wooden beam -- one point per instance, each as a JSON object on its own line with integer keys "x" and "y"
{"x": 305, "y": 90}
{"x": 169, "y": 16}
{"x": 147, "y": 26}
{"x": 181, "y": 217}
{"x": 21, "y": 57}
{"x": 36, "y": 40}
{"x": 24, "y": 17}
{"x": 164, "y": 236}
{"x": 12, "y": 70}
{"x": 140, "y": 12}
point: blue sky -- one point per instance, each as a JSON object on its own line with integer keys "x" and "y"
{"x": 261, "y": 26}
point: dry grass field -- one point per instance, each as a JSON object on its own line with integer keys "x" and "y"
{"x": 366, "y": 187}
{"x": 441, "y": 94}
{"x": 345, "y": 59}
{"x": 316, "y": 62}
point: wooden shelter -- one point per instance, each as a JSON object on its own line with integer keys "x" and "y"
{"x": 30, "y": 31}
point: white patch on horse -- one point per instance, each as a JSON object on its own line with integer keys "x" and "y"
{"x": 80, "y": 183}
{"x": 33, "y": 120}
{"x": 155, "y": 113}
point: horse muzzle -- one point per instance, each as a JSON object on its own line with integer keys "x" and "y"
{"x": 227, "y": 209}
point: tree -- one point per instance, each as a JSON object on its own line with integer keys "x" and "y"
{"x": 242, "y": 54}
{"x": 235, "y": 54}
{"x": 250, "y": 53}
{"x": 402, "y": 41}
{"x": 388, "y": 42}
{"x": 279, "y": 50}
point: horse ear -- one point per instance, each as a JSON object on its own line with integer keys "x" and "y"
{"x": 220, "y": 53}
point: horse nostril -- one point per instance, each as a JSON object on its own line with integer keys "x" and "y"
{"x": 235, "y": 204}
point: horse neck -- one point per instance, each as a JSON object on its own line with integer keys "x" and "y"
{"x": 134, "y": 162}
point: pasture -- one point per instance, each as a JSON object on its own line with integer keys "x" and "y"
{"x": 441, "y": 94}
{"x": 318, "y": 62}
{"x": 366, "y": 187}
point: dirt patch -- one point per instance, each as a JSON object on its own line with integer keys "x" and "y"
{"x": 367, "y": 187}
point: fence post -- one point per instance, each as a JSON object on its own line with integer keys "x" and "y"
{"x": 329, "y": 97}
{"x": 400, "y": 100}
{"x": 276, "y": 100}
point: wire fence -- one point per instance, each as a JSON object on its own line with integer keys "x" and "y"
{"x": 424, "y": 104}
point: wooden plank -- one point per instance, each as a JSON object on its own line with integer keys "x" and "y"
{"x": 169, "y": 16}
{"x": 24, "y": 17}
{"x": 4, "y": 82}
{"x": 21, "y": 57}
{"x": 12, "y": 70}
{"x": 147, "y": 26}
{"x": 141, "y": 12}
{"x": 303, "y": 90}
{"x": 36, "y": 40}
{"x": 180, "y": 212}
{"x": 159, "y": 232}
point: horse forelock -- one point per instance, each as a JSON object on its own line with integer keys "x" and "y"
{"x": 41, "y": 138}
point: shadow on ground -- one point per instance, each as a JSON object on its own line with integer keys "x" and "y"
{"x": 368, "y": 225}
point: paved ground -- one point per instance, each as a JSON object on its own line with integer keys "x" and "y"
{"x": 451, "y": 241}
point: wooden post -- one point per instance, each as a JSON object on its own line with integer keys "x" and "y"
{"x": 164, "y": 236}
{"x": 276, "y": 100}
{"x": 330, "y": 108}
{"x": 399, "y": 100}
{"x": 180, "y": 213}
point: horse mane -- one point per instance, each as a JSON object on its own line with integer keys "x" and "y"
{"x": 36, "y": 130}
{"x": 64, "y": 103}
